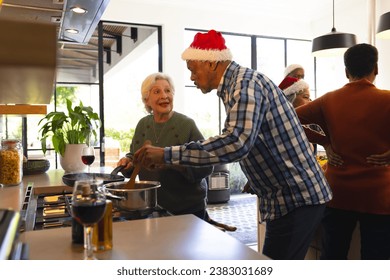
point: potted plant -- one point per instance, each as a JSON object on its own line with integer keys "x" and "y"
{"x": 70, "y": 131}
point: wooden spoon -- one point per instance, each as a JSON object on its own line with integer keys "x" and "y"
{"x": 131, "y": 183}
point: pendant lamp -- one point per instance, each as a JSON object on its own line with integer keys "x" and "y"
{"x": 383, "y": 31}
{"x": 333, "y": 43}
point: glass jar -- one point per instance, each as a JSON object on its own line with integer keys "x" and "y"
{"x": 11, "y": 162}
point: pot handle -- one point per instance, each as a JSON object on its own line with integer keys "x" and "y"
{"x": 117, "y": 169}
{"x": 117, "y": 197}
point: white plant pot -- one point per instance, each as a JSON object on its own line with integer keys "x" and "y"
{"x": 71, "y": 161}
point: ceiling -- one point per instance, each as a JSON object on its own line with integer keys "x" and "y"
{"x": 74, "y": 55}
{"x": 80, "y": 59}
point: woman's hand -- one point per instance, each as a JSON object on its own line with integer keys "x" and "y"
{"x": 379, "y": 159}
{"x": 333, "y": 158}
{"x": 126, "y": 162}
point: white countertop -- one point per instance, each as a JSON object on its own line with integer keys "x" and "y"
{"x": 12, "y": 197}
{"x": 178, "y": 237}
{"x": 183, "y": 237}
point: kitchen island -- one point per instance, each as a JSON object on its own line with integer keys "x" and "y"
{"x": 183, "y": 237}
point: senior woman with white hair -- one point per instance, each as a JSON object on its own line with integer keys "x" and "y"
{"x": 296, "y": 90}
{"x": 183, "y": 189}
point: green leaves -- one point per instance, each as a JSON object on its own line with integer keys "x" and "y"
{"x": 76, "y": 127}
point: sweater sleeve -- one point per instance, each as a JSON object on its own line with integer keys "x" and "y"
{"x": 194, "y": 174}
{"x": 312, "y": 113}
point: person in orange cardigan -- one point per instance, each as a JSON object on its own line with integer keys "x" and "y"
{"x": 355, "y": 119}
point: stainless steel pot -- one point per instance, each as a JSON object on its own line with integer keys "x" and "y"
{"x": 142, "y": 198}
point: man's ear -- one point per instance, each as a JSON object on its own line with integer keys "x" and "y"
{"x": 346, "y": 73}
{"x": 376, "y": 69}
{"x": 213, "y": 65}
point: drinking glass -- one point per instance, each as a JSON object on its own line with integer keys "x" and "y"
{"x": 88, "y": 156}
{"x": 88, "y": 206}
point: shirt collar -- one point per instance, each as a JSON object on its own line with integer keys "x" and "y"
{"x": 227, "y": 75}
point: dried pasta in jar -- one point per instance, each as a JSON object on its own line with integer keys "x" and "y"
{"x": 11, "y": 162}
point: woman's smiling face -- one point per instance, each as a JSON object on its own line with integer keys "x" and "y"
{"x": 160, "y": 98}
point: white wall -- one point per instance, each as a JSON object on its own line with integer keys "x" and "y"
{"x": 280, "y": 21}
{"x": 383, "y": 79}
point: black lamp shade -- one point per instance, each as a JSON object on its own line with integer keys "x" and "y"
{"x": 333, "y": 43}
{"x": 383, "y": 30}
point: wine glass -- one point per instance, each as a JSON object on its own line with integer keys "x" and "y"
{"x": 88, "y": 156}
{"x": 88, "y": 206}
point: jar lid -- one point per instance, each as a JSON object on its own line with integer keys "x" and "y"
{"x": 10, "y": 142}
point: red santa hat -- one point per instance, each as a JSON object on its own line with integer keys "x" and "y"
{"x": 291, "y": 68}
{"x": 208, "y": 46}
{"x": 291, "y": 85}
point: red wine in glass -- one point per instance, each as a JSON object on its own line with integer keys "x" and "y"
{"x": 88, "y": 160}
{"x": 88, "y": 212}
{"x": 88, "y": 156}
{"x": 88, "y": 206}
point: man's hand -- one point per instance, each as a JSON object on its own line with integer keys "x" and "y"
{"x": 149, "y": 156}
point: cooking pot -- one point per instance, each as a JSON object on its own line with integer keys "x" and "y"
{"x": 143, "y": 197}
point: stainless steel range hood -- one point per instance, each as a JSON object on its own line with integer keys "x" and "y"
{"x": 82, "y": 24}
{"x": 34, "y": 47}
{"x": 27, "y": 62}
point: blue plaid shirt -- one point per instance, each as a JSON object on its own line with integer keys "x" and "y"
{"x": 263, "y": 132}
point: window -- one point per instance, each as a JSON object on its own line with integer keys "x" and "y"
{"x": 330, "y": 74}
{"x": 122, "y": 103}
{"x": 270, "y": 58}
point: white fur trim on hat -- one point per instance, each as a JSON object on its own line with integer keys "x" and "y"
{"x": 296, "y": 87}
{"x": 206, "y": 55}
{"x": 291, "y": 68}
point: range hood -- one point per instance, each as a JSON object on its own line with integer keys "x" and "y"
{"x": 35, "y": 47}
{"x": 27, "y": 62}
{"x": 79, "y": 27}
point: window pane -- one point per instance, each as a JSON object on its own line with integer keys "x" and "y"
{"x": 204, "y": 110}
{"x": 270, "y": 58}
{"x": 10, "y": 127}
{"x": 299, "y": 52}
{"x": 240, "y": 46}
{"x": 122, "y": 103}
{"x": 330, "y": 74}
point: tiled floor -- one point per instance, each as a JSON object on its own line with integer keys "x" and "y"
{"x": 240, "y": 211}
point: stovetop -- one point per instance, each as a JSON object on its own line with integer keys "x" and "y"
{"x": 54, "y": 211}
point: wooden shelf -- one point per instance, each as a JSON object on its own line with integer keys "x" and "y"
{"x": 23, "y": 109}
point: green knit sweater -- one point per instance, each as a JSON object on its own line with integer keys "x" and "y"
{"x": 181, "y": 192}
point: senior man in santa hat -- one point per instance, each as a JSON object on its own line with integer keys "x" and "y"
{"x": 263, "y": 133}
